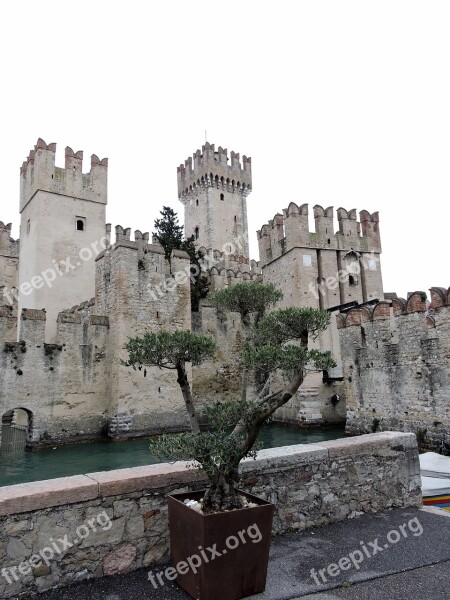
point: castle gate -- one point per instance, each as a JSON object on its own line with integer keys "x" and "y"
{"x": 16, "y": 430}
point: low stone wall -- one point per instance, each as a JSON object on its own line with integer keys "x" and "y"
{"x": 60, "y": 531}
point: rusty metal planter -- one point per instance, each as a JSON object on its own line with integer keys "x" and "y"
{"x": 241, "y": 568}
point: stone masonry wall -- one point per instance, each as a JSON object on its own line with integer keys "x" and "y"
{"x": 310, "y": 485}
{"x": 9, "y": 268}
{"x": 60, "y": 385}
{"x": 139, "y": 291}
{"x": 77, "y": 387}
{"x": 396, "y": 366}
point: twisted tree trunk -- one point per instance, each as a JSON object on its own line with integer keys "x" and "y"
{"x": 223, "y": 492}
{"x": 183, "y": 382}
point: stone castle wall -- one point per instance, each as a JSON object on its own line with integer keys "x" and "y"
{"x": 139, "y": 291}
{"x": 119, "y": 518}
{"x": 60, "y": 385}
{"x": 9, "y": 270}
{"x": 396, "y": 366}
{"x": 77, "y": 387}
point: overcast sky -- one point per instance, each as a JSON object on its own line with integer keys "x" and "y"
{"x": 338, "y": 103}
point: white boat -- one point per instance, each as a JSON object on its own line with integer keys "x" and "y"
{"x": 435, "y": 476}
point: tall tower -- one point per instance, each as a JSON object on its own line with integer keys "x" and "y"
{"x": 214, "y": 196}
{"x": 62, "y": 230}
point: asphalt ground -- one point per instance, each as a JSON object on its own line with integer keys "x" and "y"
{"x": 402, "y": 554}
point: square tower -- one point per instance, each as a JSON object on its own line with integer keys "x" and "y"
{"x": 62, "y": 230}
{"x": 214, "y": 194}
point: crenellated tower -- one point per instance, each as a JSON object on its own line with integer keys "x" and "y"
{"x": 62, "y": 229}
{"x": 213, "y": 189}
{"x": 324, "y": 268}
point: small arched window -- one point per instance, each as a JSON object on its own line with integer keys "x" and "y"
{"x": 80, "y": 223}
{"x": 196, "y": 202}
{"x": 352, "y": 280}
{"x": 196, "y": 233}
{"x": 222, "y": 197}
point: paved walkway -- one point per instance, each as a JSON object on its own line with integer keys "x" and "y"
{"x": 395, "y": 555}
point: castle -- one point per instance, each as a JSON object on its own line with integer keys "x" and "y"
{"x": 73, "y": 295}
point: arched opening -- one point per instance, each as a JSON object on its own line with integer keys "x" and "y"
{"x": 196, "y": 233}
{"x": 352, "y": 280}
{"x": 16, "y": 430}
{"x": 222, "y": 197}
{"x": 80, "y": 225}
{"x": 196, "y": 202}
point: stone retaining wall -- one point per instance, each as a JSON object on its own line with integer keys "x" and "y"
{"x": 119, "y": 518}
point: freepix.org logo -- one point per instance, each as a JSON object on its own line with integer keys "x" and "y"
{"x": 206, "y": 555}
{"x": 366, "y": 551}
{"x": 56, "y": 270}
{"x": 56, "y": 547}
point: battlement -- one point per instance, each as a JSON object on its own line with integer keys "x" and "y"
{"x": 291, "y": 229}
{"x": 395, "y": 363}
{"x": 210, "y": 168}
{"x": 416, "y": 302}
{"x": 39, "y": 172}
{"x": 143, "y": 264}
{"x": 72, "y": 326}
{"x": 8, "y": 246}
{"x": 439, "y": 297}
{"x": 223, "y": 278}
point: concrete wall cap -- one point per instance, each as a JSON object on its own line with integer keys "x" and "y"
{"x": 35, "y": 495}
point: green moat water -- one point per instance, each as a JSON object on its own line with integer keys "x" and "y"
{"x": 76, "y": 459}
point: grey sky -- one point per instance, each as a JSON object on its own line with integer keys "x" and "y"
{"x": 338, "y": 103}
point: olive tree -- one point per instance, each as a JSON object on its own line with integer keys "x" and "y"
{"x": 278, "y": 341}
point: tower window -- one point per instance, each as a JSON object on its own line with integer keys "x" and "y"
{"x": 196, "y": 202}
{"x": 80, "y": 223}
{"x": 196, "y": 233}
{"x": 352, "y": 280}
{"x": 222, "y": 197}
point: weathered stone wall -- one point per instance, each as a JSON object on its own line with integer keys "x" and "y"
{"x": 313, "y": 404}
{"x": 139, "y": 291}
{"x": 218, "y": 379}
{"x": 77, "y": 387}
{"x": 61, "y": 385}
{"x": 396, "y": 367}
{"x": 310, "y": 485}
{"x": 9, "y": 269}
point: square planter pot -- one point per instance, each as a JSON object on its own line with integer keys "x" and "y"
{"x": 220, "y": 556}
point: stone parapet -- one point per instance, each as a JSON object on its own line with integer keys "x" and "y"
{"x": 119, "y": 518}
